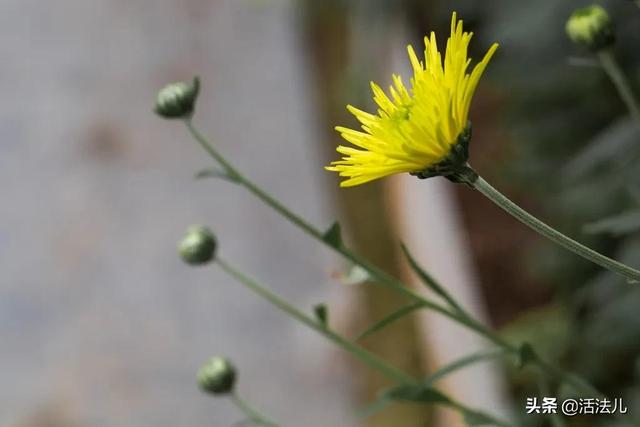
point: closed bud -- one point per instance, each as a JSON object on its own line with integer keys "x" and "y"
{"x": 217, "y": 376}
{"x": 177, "y": 100}
{"x": 591, "y": 27}
{"x": 198, "y": 246}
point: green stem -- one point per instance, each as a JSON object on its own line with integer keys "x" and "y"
{"x": 365, "y": 356}
{"x": 462, "y": 363}
{"x": 377, "y": 274}
{"x": 620, "y": 81}
{"x": 552, "y": 234}
{"x": 250, "y": 412}
{"x": 362, "y": 354}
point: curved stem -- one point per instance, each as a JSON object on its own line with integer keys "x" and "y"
{"x": 365, "y": 356}
{"x": 250, "y": 412}
{"x": 620, "y": 81}
{"x": 552, "y": 234}
{"x": 380, "y": 277}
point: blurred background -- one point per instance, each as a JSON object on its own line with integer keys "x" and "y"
{"x": 101, "y": 324}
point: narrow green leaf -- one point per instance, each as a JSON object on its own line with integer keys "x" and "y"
{"x": 333, "y": 235}
{"x": 424, "y": 392}
{"x": 428, "y": 280}
{"x": 461, "y": 363}
{"x": 214, "y": 173}
{"x": 322, "y": 314}
{"x": 387, "y": 320}
{"x": 617, "y": 225}
{"x": 416, "y": 393}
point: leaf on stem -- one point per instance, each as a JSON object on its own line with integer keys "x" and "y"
{"x": 463, "y": 362}
{"x": 417, "y": 393}
{"x": 427, "y": 279}
{"x": 526, "y": 355}
{"x": 333, "y": 236}
{"x": 387, "y": 320}
{"x": 214, "y": 173}
{"x": 322, "y": 314}
{"x": 425, "y": 393}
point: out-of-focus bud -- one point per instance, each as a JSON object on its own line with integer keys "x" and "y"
{"x": 177, "y": 100}
{"x": 217, "y": 376}
{"x": 198, "y": 246}
{"x": 591, "y": 27}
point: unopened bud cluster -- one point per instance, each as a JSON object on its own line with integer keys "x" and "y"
{"x": 591, "y": 27}
{"x": 177, "y": 100}
{"x": 198, "y": 246}
{"x": 217, "y": 376}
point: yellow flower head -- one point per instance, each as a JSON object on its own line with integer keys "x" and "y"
{"x": 417, "y": 128}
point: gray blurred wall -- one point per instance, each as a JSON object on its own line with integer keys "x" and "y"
{"x": 100, "y": 323}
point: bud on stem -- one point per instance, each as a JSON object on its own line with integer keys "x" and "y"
{"x": 217, "y": 376}
{"x": 591, "y": 27}
{"x": 198, "y": 246}
{"x": 177, "y": 100}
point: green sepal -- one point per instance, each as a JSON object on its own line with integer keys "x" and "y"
{"x": 454, "y": 166}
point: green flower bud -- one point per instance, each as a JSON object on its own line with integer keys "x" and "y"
{"x": 177, "y": 100}
{"x": 217, "y": 376}
{"x": 198, "y": 246}
{"x": 591, "y": 27}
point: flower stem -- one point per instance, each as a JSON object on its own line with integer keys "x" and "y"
{"x": 380, "y": 277}
{"x": 374, "y": 271}
{"x": 620, "y": 81}
{"x": 554, "y": 235}
{"x": 362, "y": 354}
{"x": 250, "y": 412}
{"x": 359, "y": 352}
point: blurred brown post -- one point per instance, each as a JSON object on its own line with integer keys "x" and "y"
{"x": 365, "y": 213}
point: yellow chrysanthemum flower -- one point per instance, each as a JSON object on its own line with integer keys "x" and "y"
{"x": 414, "y": 129}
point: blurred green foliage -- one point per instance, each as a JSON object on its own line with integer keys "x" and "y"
{"x": 574, "y": 151}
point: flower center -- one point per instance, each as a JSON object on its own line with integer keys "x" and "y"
{"x": 401, "y": 115}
